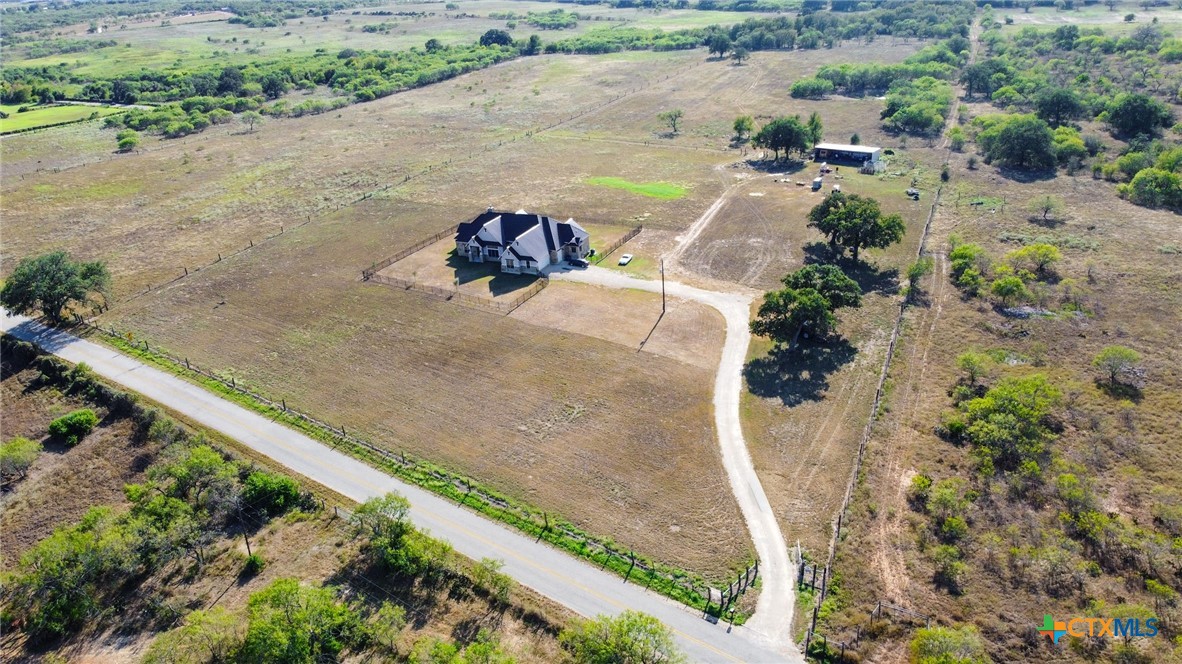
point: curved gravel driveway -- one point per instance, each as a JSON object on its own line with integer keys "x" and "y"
{"x": 773, "y": 612}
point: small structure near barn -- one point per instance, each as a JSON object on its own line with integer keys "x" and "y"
{"x": 521, "y": 242}
{"x": 858, "y": 155}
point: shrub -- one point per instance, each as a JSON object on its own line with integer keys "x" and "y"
{"x": 253, "y": 565}
{"x": 948, "y": 645}
{"x": 74, "y": 426}
{"x": 17, "y": 455}
{"x": 811, "y": 88}
{"x": 918, "y": 491}
{"x": 269, "y": 493}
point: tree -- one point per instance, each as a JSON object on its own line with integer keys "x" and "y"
{"x": 385, "y": 519}
{"x": 1023, "y": 141}
{"x": 230, "y": 81}
{"x": 948, "y": 645}
{"x": 853, "y": 222}
{"x": 630, "y": 638}
{"x": 719, "y": 44}
{"x": 916, "y": 272}
{"x": 1116, "y": 361}
{"x": 1009, "y": 289}
{"x": 206, "y": 636}
{"x": 739, "y": 54}
{"x": 815, "y": 128}
{"x": 251, "y": 118}
{"x": 1037, "y": 257}
{"x": 1130, "y": 114}
{"x": 533, "y": 46}
{"x": 830, "y": 281}
{"x": 1046, "y": 206}
{"x": 496, "y": 38}
{"x": 1008, "y": 427}
{"x": 1058, "y": 105}
{"x": 1154, "y": 187}
{"x": 974, "y": 365}
{"x": 671, "y": 118}
{"x": 289, "y": 622}
{"x": 274, "y": 86}
{"x": 744, "y": 125}
{"x": 52, "y": 281}
{"x": 431, "y": 46}
{"x": 855, "y": 139}
{"x": 17, "y": 455}
{"x": 58, "y": 584}
{"x": 785, "y": 134}
{"x": 785, "y": 313}
{"x": 269, "y": 493}
{"x": 811, "y": 88}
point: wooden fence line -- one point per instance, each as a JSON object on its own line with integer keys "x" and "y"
{"x": 412, "y": 466}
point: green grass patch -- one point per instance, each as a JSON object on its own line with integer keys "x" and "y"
{"x": 41, "y": 116}
{"x": 668, "y": 581}
{"x": 662, "y": 190}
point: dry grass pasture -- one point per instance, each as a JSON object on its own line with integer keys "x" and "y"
{"x": 545, "y": 407}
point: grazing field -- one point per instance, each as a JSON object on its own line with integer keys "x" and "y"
{"x": 39, "y": 116}
{"x": 547, "y": 406}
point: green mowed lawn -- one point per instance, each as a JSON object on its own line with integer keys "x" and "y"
{"x": 662, "y": 190}
{"x": 47, "y": 115}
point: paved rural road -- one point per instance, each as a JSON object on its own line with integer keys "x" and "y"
{"x": 773, "y": 612}
{"x": 583, "y": 588}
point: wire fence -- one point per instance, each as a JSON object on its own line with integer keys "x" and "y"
{"x": 827, "y": 572}
{"x": 369, "y": 273}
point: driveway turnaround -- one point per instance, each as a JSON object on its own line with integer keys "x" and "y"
{"x": 583, "y": 588}
{"x": 773, "y": 612}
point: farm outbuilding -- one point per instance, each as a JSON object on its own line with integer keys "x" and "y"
{"x": 853, "y": 154}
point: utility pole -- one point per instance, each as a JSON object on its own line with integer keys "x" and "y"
{"x": 662, "y": 286}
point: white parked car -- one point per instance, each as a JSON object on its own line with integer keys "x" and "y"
{"x": 625, "y": 259}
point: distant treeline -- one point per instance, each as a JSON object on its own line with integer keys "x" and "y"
{"x": 34, "y": 16}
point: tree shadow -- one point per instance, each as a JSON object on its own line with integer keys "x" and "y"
{"x": 1052, "y": 222}
{"x": 1119, "y": 390}
{"x": 1026, "y": 177}
{"x": 785, "y": 166}
{"x": 870, "y": 277}
{"x": 799, "y": 376}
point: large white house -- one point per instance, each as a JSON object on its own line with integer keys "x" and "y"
{"x": 522, "y": 243}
